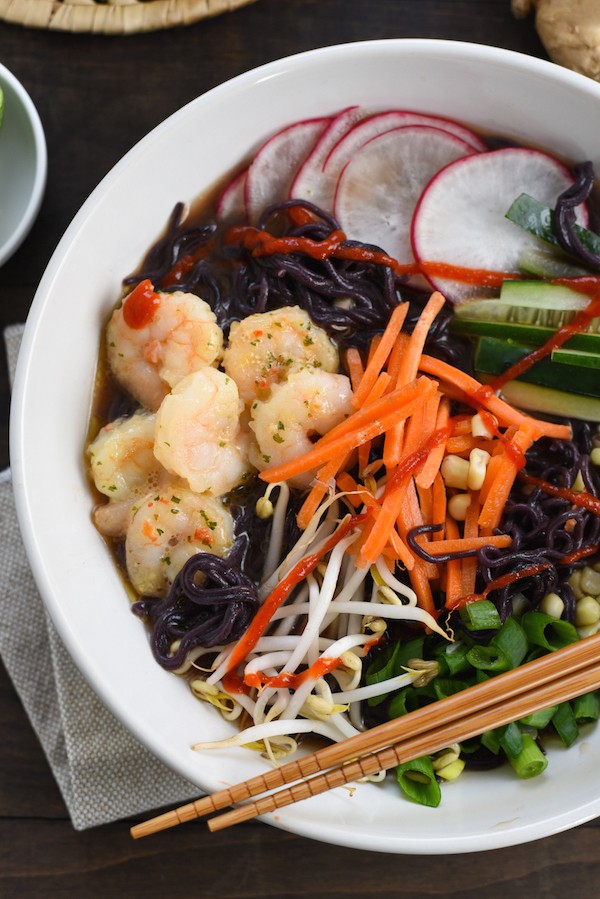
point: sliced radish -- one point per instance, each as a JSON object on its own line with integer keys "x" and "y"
{"x": 378, "y": 123}
{"x": 379, "y": 187}
{"x": 231, "y": 203}
{"x": 460, "y": 218}
{"x": 309, "y": 181}
{"x": 274, "y": 167}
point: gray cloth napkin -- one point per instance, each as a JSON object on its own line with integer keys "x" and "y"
{"x": 103, "y": 772}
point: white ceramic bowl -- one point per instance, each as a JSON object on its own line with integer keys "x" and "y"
{"x": 23, "y": 165}
{"x": 491, "y": 89}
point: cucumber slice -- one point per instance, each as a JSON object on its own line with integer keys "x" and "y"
{"x": 542, "y": 295}
{"x": 547, "y": 262}
{"x": 494, "y": 357}
{"x": 493, "y": 311}
{"x": 538, "y": 219}
{"x": 576, "y": 357}
{"x": 528, "y": 334}
{"x": 544, "y": 400}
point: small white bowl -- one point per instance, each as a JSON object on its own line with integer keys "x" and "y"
{"x": 23, "y": 165}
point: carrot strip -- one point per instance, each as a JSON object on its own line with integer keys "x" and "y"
{"x": 439, "y": 503}
{"x": 453, "y": 567}
{"x": 426, "y": 504}
{"x": 408, "y": 368}
{"x": 355, "y": 367}
{"x": 318, "y": 490}
{"x": 377, "y": 390}
{"x": 395, "y": 357}
{"x": 411, "y": 516}
{"x": 422, "y": 587}
{"x": 380, "y": 355}
{"x": 465, "y": 443}
{"x": 495, "y": 501}
{"x": 357, "y": 493}
{"x": 462, "y": 425}
{"x": 356, "y": 429}
{"x": 401, "y": 550}
{"x": 465, "y": 544}
{"x": 490, "y": 476}
{"x": 470, "y": 531}
{"x": 412, "y": 356}
{"x": 477, "y": 394}
{"x": 431, "y": 467}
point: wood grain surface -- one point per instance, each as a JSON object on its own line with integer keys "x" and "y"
{"x": 97, "y": 96}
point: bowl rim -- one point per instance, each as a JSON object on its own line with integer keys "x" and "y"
{"x": 479, "y": 52}
{"x": 40, "y": 172}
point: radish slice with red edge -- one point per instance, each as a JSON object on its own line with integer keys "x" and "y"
{"x": 460, "y": 217}
{"x": 380, "y": 185}
{"x": 274, "y": 167}
{"x": 378, "y": 123}
{"x": 310, "y": 182}
{"x": 231, "y": 203}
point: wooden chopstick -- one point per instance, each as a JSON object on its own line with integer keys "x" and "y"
{"x": 413, "y": 747}
{"x": 526, "y": 679}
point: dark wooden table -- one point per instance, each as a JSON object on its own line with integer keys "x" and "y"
{"x": 97, "y": 96}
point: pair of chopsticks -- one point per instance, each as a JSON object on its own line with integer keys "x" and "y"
{"x": 554, "y": 678}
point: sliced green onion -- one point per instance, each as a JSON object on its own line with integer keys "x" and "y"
{"x": 488, "y": 658}
{"x": 491, "y": 742}
{"x": 512, "y": 641}
{"x": 417, "y": 780}
{"x": 565, "y": 723}
{"x": 409, "y": 699}
{"x": 547, "y": 632}
{"x": 456, "y": 660}
{"x": 481, "y": 615}
{"x": 381, "y": 669}
{"x": 510, "y": 739}
{"x": 539, "y": 719}
{"x": 586, "y": 708}
{"x": 448, "y": 686}
{"x": 531, "y": 761}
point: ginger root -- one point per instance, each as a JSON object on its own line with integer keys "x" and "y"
{"x": 569, "y": 30}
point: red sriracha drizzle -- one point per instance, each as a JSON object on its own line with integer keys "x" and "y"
{"x": 301, "y": 569}
{"x": 140, "y": 305}
{"x": 263, "y": 243}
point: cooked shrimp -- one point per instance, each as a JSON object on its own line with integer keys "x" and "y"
{"x": 265, "y": 348}
{"x": 124, "y": 468}
{"x": 169, "y": 527}
{"x": 311, "y": 402}
{"x": 182, "y": 336}
{"x": 199, "y": 435}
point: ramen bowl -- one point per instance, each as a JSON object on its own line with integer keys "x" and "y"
{"x": 492, "y": 90}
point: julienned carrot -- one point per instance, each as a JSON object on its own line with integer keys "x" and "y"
{"x": 318, "y": 490}
{"x": 407, "y": 371}
{"x": 439, "y": 503}
{"x": 431, "y": 466}
{"x": 356, "y": 429}
{"x": 508, "y": 467}
{"x": 395, "y": 357}
{"x": 355, "y": 367}
{"x": 377, "y": 390}
{"x": 380, "y": 355}
{"x": 453, "y": 567}
{"x": 477, "y": 394}
{"x": 411, "y": 358}
{"x": 357, "y": 493}
{"x": 466, "y": 544}
{"x": 470, "y": 530}
{"x": 464, "y": 443}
